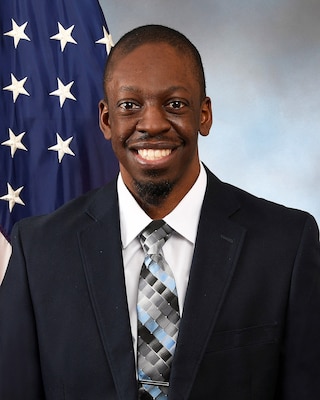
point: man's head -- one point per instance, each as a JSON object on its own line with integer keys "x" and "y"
{"x": 154, "y": 109}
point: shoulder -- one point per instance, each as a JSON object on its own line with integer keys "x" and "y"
{"x": 72, "y": 215}
{"x": 252, "y": 211}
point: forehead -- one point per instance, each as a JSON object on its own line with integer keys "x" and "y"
{"x": 153, "y": 64}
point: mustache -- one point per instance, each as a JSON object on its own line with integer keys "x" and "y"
{"x": 161, "y": 141}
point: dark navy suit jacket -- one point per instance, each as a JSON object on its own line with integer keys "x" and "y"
{"x": 251, "y": 322}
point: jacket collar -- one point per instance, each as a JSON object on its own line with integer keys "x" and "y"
{"x": 100, "y": 247}
{"x": 218, "y": 244}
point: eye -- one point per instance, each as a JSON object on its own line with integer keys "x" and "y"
{"x": 176, "y": 104}
{"x": 128, "y": 105}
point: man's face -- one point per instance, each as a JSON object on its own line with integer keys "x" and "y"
{"x": 153, "y": 116}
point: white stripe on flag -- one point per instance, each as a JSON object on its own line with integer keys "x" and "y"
{"x": 5, "y": 253}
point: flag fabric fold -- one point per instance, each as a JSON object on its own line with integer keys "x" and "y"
{"x": 52, "y": 56}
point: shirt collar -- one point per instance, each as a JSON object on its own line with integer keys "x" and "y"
{"x": 133, "y": 219}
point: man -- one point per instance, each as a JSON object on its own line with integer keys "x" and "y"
{"x": 246, "y": 271}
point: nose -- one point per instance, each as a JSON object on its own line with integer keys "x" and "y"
{"x": 153, "y": 121}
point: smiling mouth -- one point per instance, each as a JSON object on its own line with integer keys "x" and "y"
{"x": 154, "y": 154}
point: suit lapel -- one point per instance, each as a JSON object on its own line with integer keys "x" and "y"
{"x": 217, "y": 248}
{"x": 102, "y": 259}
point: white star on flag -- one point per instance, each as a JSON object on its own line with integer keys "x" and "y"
{"x": 13, "y": 197}
{"x": 107, "y": 40}
{"x": 62, "y": 147}
{"x": 63, "y": 92}
{"x": 16, "y": 87}
{"x": 14, "y": 142}
{"x": 64, "y": 36}
{"x": 17, "y": 32}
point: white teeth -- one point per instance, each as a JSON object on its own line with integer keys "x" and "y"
{"x": 151, "y": 154}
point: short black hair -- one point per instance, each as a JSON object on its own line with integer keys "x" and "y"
{"x": 157, "y": 34}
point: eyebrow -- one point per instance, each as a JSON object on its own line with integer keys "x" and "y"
{"x": 135, "y": 89}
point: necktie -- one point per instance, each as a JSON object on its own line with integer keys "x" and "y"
{"x": 158, "y": 314}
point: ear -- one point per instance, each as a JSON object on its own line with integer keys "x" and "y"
{"x": 205, "y": 117}
{"x": 104, "y": 119}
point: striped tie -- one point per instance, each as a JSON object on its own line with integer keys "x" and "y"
{"x": 158, "y": 314}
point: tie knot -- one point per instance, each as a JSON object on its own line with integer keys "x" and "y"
{"x": 154, "y": 236}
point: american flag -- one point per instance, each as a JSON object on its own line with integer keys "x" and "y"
{"x": 52, "y": 56}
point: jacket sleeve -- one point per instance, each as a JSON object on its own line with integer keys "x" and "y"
{"x": 20, "y": 375}
{"x": 299, "y": 376}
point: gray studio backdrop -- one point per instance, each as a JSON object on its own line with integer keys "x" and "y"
{"x": 262, "y": 64}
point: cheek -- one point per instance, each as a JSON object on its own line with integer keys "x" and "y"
{"x": 119, "y": 142}
{"x": 187, "y": 125}
{"x": 118, "y": 139}
{"x": 118, "y": 132}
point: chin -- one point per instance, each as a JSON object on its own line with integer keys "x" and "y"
{"x": 153, "y": 193}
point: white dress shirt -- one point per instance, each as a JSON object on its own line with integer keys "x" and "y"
{"x": 178, "y": 250}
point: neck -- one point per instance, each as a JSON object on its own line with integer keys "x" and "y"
{"x": 157, "y": 211}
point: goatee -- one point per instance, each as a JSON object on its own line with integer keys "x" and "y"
{"x": 153, "y": 193}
